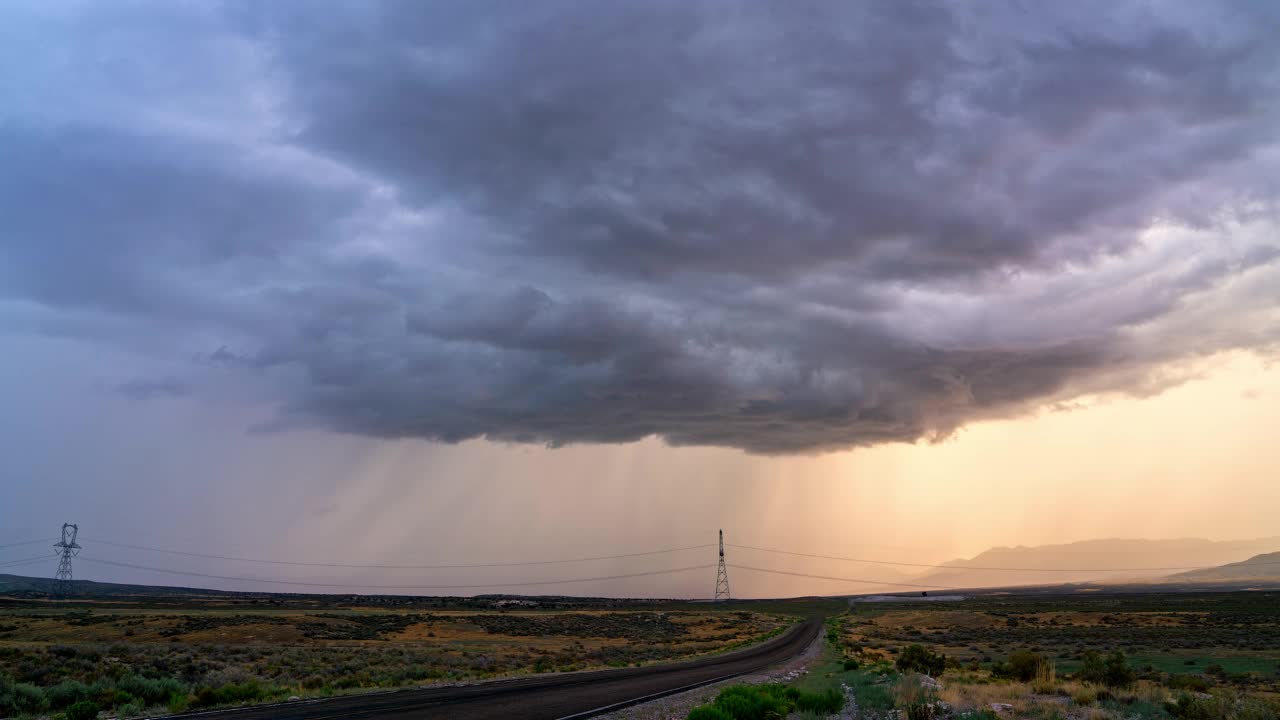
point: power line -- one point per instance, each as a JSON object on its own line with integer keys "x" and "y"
{"x": 399, "y": 567}
{"x": 397, "y": 587}
{"x": 525, "y": 563}
{"x": 28, "y": 542}
{"x": 26, "y": 561}
{"x": 979, "y": 567}
{"x": 841, "y": 579}
{"x": 22, "y": 564}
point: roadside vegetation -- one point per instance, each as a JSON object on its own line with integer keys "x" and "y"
{"x": 1060, "y": 658}
{"x": 1205, "y": 657}
{"x": 762, "y": 702}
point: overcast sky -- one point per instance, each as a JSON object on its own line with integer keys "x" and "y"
{"x": 543, "y": 280}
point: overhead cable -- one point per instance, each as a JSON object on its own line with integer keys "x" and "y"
{"x": 396, "y": 587}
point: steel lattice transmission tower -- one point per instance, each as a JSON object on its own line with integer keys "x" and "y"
{"x": 68, "y": 548}
{"x": 722, "y": 576}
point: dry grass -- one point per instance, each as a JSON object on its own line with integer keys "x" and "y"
{"x": 1143, "y": 691}
{"x": 965, "y": 697}
{"x": 909, "y": 691}
{"x": 1028, "y": 701}
{"x": 1046, "y": 682}
{"x": 1083, "y": 695}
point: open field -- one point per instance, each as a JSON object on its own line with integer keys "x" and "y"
{"x": 1079, "y": 656}
{"x": 130, "y": 655}
{"x": 1170, "y": 632}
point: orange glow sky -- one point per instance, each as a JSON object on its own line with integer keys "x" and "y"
{"x": 1198, "y": 460}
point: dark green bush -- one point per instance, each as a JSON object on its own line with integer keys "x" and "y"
{"x": 20, "y": 698}
{"x": 917, "y": 658}
{"x": 1112, "y": 670}
{"x": 150, "y": 692}
{"x": 1195, "y": 683}
{"x": 83, "y": 710}
{"x": 850, "y": 664}
{"x": 770, "y": 701}
{"x": 1187, "y": 707}
{"x": 66, "y": 694}
{"x": 761, "y": 702}
{"x": 1022, "y": 665}
{"x": 828, "y": 702}
{"x": 229, "y": 694}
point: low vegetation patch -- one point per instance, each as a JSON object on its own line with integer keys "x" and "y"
{"x": 767, "y": 702}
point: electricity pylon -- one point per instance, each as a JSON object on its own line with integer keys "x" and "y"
{"x": 722, "y": 576}
{"x": 69, "y": 548}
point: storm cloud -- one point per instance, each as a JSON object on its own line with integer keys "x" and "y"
{"x": 780, "y": 227}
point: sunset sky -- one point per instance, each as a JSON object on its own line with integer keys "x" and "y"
{"x": 448, "y": 283}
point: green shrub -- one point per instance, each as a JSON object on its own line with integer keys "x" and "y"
{"x": 20, "y": 698}
{"x": 1023, "y": 666}
{"x": 828, "y": 702}
{"x": 1112, "y": 671}
{"x": 104, "y": 693}
{"x": 229, "y": 694}
{"x": 66, "y": 694}
{"x": 917, "y": 658}
{"x": 83, "y": 710}
{"x": 1195, "y": 683}
{"x": 150, "y": 692}
{"x": 1223, "y": 706}
{"x": 760, "y": 702}
{"x": 850, "y": 664}
{"x": 771, "y": 701}
{"x": 1188, "y": 707}
{"x": 868, "y": 694}
{"x": 708, "y": 712}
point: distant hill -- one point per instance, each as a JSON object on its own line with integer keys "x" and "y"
{"x": 1093, "y": 560}
{"x": 19, "y": 589}
{"x": 1258, "y": 567}
{"x": 20, "y": 584}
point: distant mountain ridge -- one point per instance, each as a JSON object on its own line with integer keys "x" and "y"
{"x": 1094, "y": 560}
{"x": 1258, "y": 567}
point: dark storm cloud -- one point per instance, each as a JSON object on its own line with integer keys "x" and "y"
{"x": 661, "y": 137}
{"x": 783, "y": 228}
